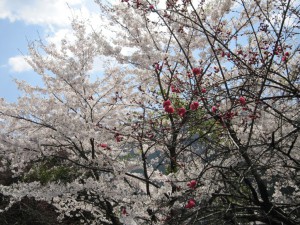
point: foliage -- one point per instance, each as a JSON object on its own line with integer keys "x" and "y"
{"x": 44, "y": 174}
{"x": 29, "y": 211}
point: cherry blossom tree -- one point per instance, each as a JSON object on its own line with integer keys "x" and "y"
{"x": 195, "y": 119}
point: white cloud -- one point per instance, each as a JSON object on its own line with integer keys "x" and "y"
{"x": 59, "y": 35}
{"x": 18, "y": 64}
{"x": 40, "y": 12}
{"x": 128, "y": 51}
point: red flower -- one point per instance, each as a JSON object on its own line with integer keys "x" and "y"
{"x": 191, "y": 203}
{"x": 166, "y": 103}
{"x": 242, "y": 100}
{"x": 194, "y": 106}
{"x": 197, "y": 71}
{"x": 214, "y": 109}
{"x": 284, "y": 59}
{"x": 192, "y": 184}
{"x": 169, "y": 109}
{"x": 103, "y": 145}
{"x": 156, "y": 66}
{"x": 124, "y": 212}
{"x": 174, "y": 89}
{"x": 181, "y": 111}
{"x": 203, "y": 90}
{"x": 119, "y": 138}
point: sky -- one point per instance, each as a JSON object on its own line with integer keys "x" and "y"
{"x": 24, "y": 21}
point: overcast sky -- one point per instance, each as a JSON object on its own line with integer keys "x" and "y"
{"x": 22, "y": 21}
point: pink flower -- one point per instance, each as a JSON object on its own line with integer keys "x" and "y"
{"x": 214, "y": 109}
{"x": 197, "y": 71}
{"x": 151, "y": 7}
{"x": 181, "y": 111}
{"x": 192, "y": 184}
{"x": 203, "y": 90}
{"x": 242, "y": 100}
{"x": 191, "y": 204}
{"x": 167, "y": 103}
{"x": 194, "y": 106}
